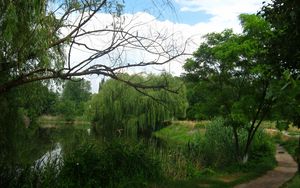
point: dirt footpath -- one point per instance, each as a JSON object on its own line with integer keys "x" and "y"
{"x": 275, "y": 178}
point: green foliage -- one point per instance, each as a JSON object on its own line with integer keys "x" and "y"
{"x": 229, "y": 76}
{"x": 282, "y": 125}
{"x": 83, "y": 167}
{"x": 283, "y": 15}
{"x": 77, "y": 90}
{"x": 179, "y": 133}
{"x": 10, "y": 118}
{"x": 121, "y": 107}
{"x": 36, "y": 99}
{"x": 218, "y": 146}
{"x": 19, "y": 110}
{"x": 131, "y": 162}
{"x": 32, "y": 46}
{"x": 117, "y": 164}
{"x": 67, "y": 108}
{"x": 25, "y": 38}
{"x": 291, "y": 145}
{"x": 177, "y": 161}
{"x": 262, "y": 148}
{"x": 287, "y": 106}
{"x": 293, "y": 183}
{"x": 74, "y": 96}
{"x": 27, "y": 176}
{"x": 227, "y": 73}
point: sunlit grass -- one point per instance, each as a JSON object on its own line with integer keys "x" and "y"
{"x": 59, "y": 122}
{"x": 268, "y": 124}
{"x": 181, "y": 132}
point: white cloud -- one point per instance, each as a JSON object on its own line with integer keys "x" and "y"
{"x": 224, "y": 15}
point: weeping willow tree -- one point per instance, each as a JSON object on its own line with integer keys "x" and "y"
{"x": 124, "y": 110}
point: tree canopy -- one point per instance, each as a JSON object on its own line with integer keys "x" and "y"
{"x": 73, "y": 98}
{"x": 121, "y": 107}
{"x": 38, "y": 38}
{"x": 284, "y": 18}
{"x": 229, "y": 76}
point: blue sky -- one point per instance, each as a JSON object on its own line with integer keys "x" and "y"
{"x": 192, "y": 12}
{"x": 164, "y": 11}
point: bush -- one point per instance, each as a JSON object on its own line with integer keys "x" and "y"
{"x": 218, "y": 147}
{"x": 262, "y": 146}
{"x": 30, "y": 176}
{"x": 81, "y": 167}
{"x": 115, "y": 165}
{"x": 282, "y": 125}
{"x": 291, "y": 146}
{"x": 262, "y": 153}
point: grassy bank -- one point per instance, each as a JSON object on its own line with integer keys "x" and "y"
{"x": 185, "y": 134}
{"x": 182, "y": 132}
{"x": 47, "y": 121}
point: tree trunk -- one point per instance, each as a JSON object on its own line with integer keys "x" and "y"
{"x": 245, "y": 158}
{"x": 237, "y": 145}
{"x": 298, "y": 155}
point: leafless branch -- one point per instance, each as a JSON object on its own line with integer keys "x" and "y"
{"x": 106, "y": 46}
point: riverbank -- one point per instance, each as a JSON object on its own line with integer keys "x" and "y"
{"x": 48, "y": 121}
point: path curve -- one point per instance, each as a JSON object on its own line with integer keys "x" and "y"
{"x": 275, "y": 178}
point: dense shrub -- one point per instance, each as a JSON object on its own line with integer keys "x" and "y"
{"x": 291, "y": 146}
{"x": 115, "y": 165}
{"x": 29, "y": 176}
{"x": 217, "y": 149}
{"x": 217, "y": 146}
{"x": 282, "y": 125}
{"x": 262, "y": 146}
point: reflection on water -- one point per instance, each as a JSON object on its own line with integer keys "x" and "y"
{"x": 64, "y": 138}
{"x": 51, "y": 157}
{"x": 51, "y": 140}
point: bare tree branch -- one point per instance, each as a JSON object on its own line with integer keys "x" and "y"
{"x": 109, "y": 45}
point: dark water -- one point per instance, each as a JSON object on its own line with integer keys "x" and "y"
{"x": 53, "y": 141}
{"x": 32, "y": 144}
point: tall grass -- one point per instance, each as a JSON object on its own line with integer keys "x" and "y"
{"x": 117, "y": 164}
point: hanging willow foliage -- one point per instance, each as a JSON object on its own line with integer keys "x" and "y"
{"x": 121, "y": 108}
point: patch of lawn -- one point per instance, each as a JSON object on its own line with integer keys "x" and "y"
{"x": 180, "y": 132}
{"x": 294, "y": 133}
{"x": 47, "y": 121}
{"x": 268, "y": 125}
